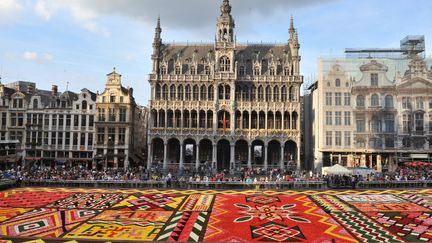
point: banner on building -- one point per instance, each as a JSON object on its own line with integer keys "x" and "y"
{"x": 258, "y": 151}
{"x": 189, "y": 150}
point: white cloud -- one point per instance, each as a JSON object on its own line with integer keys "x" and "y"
{"x": 93, "y": 27}
{"x": 35, "y": 57}
{"x": 44, "y": 11}
{"x": 30, "y": 56}
{"x": 9, "y": 10}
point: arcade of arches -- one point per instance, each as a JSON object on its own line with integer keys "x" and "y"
{"x": 222, "y": 154}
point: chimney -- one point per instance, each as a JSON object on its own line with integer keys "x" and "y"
{"x": 54, "y": 90}
{"x": 131, "y": 92}
{"x": 30, "y": 89}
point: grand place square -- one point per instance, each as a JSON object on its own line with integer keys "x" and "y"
{"x": 215, "y": 121}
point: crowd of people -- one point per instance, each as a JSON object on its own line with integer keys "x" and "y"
{"x": 204, "y": 174}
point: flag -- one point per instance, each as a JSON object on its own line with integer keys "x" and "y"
{"x": 224, "y": 122}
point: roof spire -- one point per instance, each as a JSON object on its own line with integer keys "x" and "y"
{"x": 291, "y": 28}
{"x": 158, "y": 31}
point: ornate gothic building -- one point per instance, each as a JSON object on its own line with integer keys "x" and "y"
{"x": 225, "y": 104}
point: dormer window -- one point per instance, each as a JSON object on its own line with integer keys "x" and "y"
{"x": 224, "y": 63}
{"x": 272, "y": 71}
{"x": 163, "y": 70}
{"x": 207, "y": 70}
{"x": 256, "y": 71}
{"x": 192, "y": 70}
{"x": 337, "y": 82}
{"x": 177, "y": 70}
{"x": 35, "y": 103}
{"x": 17, "y": 103}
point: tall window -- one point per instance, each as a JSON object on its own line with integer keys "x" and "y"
{"x": 276, "y": 94}
{"x": 360, "y": 123}
{"x": 100, "y": 135}
{"x": 360, "y": 101}
{"x": 122, "y": 135}
{"x": 328, "y": 98}
{"x": 338, "y": 118}
{"x": 374, "y": 79}
{"x": 430, "y": 122}
{"x": 165, "y": 92}
{"x": 260, "y": 93}
{"x": 406, "y": 103}
{"x": 207, "y": 70}
{"x": 337, "y": 82}
{"x": 338, "y": 138}
{"x": 180, "y": 92}
{"x": 389, "y": 101}
{"x": 419, "y": 123}
{"x": 347, "y": 138}
{"x": 419, "y": 103}
{"x": 203, "y": 93}
{"x": 192, "y": 70}
{"x": 210, "y": 92}
{"x": 195, "y": 92}
{"x": 256, "y": 71}
{"x": 111, "y": 114}
{"x": 163, "y": 70}
{"x": 172, "y": 92}
{"x": 188, "y": 92}
{"x": 389, "y": 123}
{"x": 347, "y": 99}
{"x": 122, "y": 114}
{"x": 268, "y": 94}
{"x": 284, "y": 94}
{"x": 224, "y": 63}
{"x": 253, "y": 93}
{"x": 328, "y": 118}
{"x": 328, "y": 138}
{"x": 347, "y": 121}
{"x": 374, "y": 100}
{"x": 158, "y": 92}
{"x": 406, "y": 123}
{"x": 338, "y": 98}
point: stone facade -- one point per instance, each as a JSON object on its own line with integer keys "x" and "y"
{"x": 118, "y": 125}
{"x": 371, "y": 112}
{"x": 46, "y": 125}
{"x": 225, "y": 104}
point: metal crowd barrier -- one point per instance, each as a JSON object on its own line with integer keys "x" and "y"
{"x": 5, "y": 184}
{"x": 231, "y": 185}
{"x": 393, "y": 184}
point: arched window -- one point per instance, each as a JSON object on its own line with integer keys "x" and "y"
{"x": 374, "y": 100}
{"x": 245, "y": 93}
{"x": 210, "y": 92}
{"x": 188, "y": 92}
{"x": 238, "y": 93}
{"x": 389, "y": 101}
{"x": 224, "y": 63}
{"x": 227, "y": 92}
{"x": 195, "y": 92}
{"x": 165, "y": 92}
{"x": 291, "y": 93}
{"x": 337, "y": 82}
{"x": 360, "y": 101}
{"x": 268, "y": 94}
{"x": 253, "y": 93}
{"x": 180, "y": 92}
{"x": 276, "y": 94}
{"x": 221, "y": 92}
{"x": 36, "y": 103}
{"x": 241, "y": 71}
{"x": 158, "y": 92}
{"x": 83, "y": 104}
{"x": 284, "y": 94}
{"x": 203, "y": 92}
{"x": 172, "y": 92}
{"x": 260, "y": 93}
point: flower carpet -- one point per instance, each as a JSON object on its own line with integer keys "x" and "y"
{"x": 74, "y": 215}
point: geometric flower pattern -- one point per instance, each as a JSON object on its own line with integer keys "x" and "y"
{"x": 216, "y": 216}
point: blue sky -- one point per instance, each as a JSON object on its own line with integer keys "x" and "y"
{"x": 80, "y": 41}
